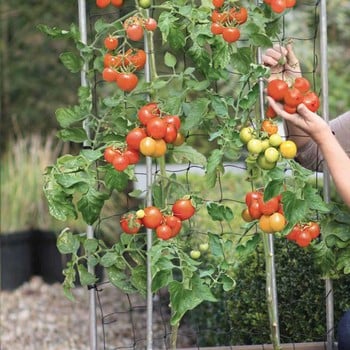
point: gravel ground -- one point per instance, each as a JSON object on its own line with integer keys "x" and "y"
{"x": 37, "y": 316}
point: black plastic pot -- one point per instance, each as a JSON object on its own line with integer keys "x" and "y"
{"x": 15, "y": 259}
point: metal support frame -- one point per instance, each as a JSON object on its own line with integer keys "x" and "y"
{"x": 89, "y": 229}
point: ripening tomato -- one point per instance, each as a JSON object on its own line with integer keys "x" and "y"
{"x": 303, "y": 239}
{"x": 153, "y": 217}
{"x": 111, "y": 42}
{"x": 302, "y": 84}
{"x": 150, "y": 24}
{"x": 254, "y": 146}
{"x": 183, "y": 209}
{"x": 276, "y": 89}
{"x": 120, "y": 162}
{"x": 271, "y": 154}
{"x": 127, "y": 81}
{"x": 293, "y": 97}
{"x": 134, "y": 32}
{"x": 160, "y": 148}
{"x": 134, "y": 137}
{"x": 277, "y": 222}
{"x": 278, "y": 6}
{"x": 270, "y": 112}
{"x": 264, "y": 223}
{"x": 147, "y": 112}
{"x": 180, "y": 139}
{"x": 102, "y": 3}
{"x": 288, "y": 149}
{"x": 130, "y": 223}
{"x": 117, "y": 3}
{"x": 275, "y": 140}
{"x": 156, "y": 128}
{"x": 269, "y": 207}
{"x": 246, "y": 216}
{"x": 148, "y": 146}
{"x": 231, "y": 34}
{"x": 174, "y": 223}
{"x": 264, "y": 164}
{"x": 246, "y": 134}
{"x": 269, "y": 127}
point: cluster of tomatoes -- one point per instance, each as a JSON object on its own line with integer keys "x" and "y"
{"x": 303, "y": 234}
{"x": 269, "y": 213}
{"x": 291, "y": 96}
{"x": 104, "y": 3}
{"x": 226, "y": 20}
{"x": 266, "y": 147}
{"x": 151, "y": 138}
{"x": 120, "y": 65}
{"x": 166, "y": 226}
{"x": 279, "y": 6}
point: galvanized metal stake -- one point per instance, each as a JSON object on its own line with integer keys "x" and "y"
{"x": 89, "y": 229}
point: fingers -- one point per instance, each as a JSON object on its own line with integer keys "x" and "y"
{"x": 292, "y": 59}
{"x": 278, "y": 108}
{"x": 273, "y": 56}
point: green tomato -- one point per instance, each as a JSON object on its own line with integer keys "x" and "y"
{"x": 265, "y": 144}
{"x": 246, "y": 134}
{"x": 272, "y": 154}
{"x": 203, "y": 247}
{"x": 145, "y": 4}
{"x": 195, "y": 254}
{"x": 264, "y": 164}
{"x": 254, "y": 146}
{"x": 275, "y": 140}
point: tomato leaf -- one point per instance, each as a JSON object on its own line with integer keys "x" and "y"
{"x": 115, "y": 180}
{"x": 85, "y": 276}
{"x": 77, "y": 135}
{"x": 90, "y": 245}
{"x": 68, "y": 116}
{"x": 294, "y": 208}
{"x": 219, "y": 212}
{"x": 215, "y": 246}
{"x": 195, "y": 111}
{"x": 214, "y": 161}
{"x": 139, "y": 278}
{"x": 186, "y": 153}
{"x": 71, "y": 61}
{"x": 120, "y": 280}
{"x": 67, "y": 242}
{"x": 169, "y": 60}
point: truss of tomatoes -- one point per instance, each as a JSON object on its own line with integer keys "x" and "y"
{"x": 226, "y": 20}
{"x": 279, "y": 6}
{"x": 166, "y": 225}
{"x": 104, "y": 3}
{"x": 120, "y": 65}
{"x": 303, "y": 234}
{"x": 151, "y": 138}
{"x": 269, "y": 214}
{"x": 291, "y": 96}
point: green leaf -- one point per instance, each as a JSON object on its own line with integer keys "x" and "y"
{"x": 161, "y": 279}
{"x": 228, "y": 283}
{"x": 71, "y": 61}
{"x": 90, "y": 205}
{"x": 183, "y": 300}
{"x": 68, "y": 116}
{"x": 186, "y": 153}
{"x": 219, "y": 212}
{"x": 116, "y": 180}
{"x": 195, "y": 113}
{"x": 213, "y": 166}
{"x": 67, "y": 242}
{"x": 169, "y": 60}
{"x": 109, "y": 259}
{"x": 90, "y": 245}
{"x": 85, "y": 276}
{"x": 215, "y": 245}
{"x": 120, "y": 280}
{"x": 294, "y": 208}
{"x": 176, "y": 38}
{"x": 73, "y": 134}
{"x": 139, "y": 278}
{"x": 273, "y": 188}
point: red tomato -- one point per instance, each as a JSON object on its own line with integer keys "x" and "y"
{"x": 111, "y": 42}
{"x": 278, "y": 6}
{"x": 254, "y": 209}
{"x": 269, "y": 207}
{"x": 173, "y": 119}
{"x": 241, "y": 15}
{"x": 231, "y": 34}
{"x": 102, "y": 3}
{"x": 112, "y": 61}
{"x": 109, "y": 153}
{"x": 109, "y": 74}
{"x": 156, "y": 128}
{"x": 302, "y": 84}
{"x": 216, "y": 28}
{"x": 150, "y": 24}
{"x": 270, "y": 112}
{"x": 218, "y": 3}
{"x": 290, "y": 3}
{"x": 314, "y": 229}
{"x": 130, "y": 223}
{"x": 293, "y": 97}
{"x": 120, "y": 162}
{"x": 164, "y": 232}
{"x": 311, "y": 101}
{"x": 153, "y": 217}
{"x": 183, "y": 209}
{"x": 303, "y": 239}
{"x": 117, "y": 3}
{"x": 180, "y": 139}
{"x": 174, "y": 223}
{"x": 294, "y": 233}
{"x": 289, "y": 109}
{"x": 136, "y": 57}
{"x": 134, "y": 137}
{"x": 132, "y": 155}
{"x": 276, "y": 89}
{"x": 134, "y": 32}
{"x": 147, "y": 112}
{"x": 170, "y": 134}
{"x": 127, "y": 81}
{"x": 250, "y": 196}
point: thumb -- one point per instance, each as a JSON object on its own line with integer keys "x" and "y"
{"x": 303, "y": 110}
{"x": 291, "y": 57}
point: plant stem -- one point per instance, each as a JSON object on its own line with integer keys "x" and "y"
{"x": 271, "y": 291}
{"x": 173, "y": 337}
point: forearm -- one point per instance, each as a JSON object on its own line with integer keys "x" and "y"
{"x": 338, "y": 163}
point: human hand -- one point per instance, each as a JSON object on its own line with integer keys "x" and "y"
{"x": 304, "y": 119}
{"x": 282, "y": 62}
